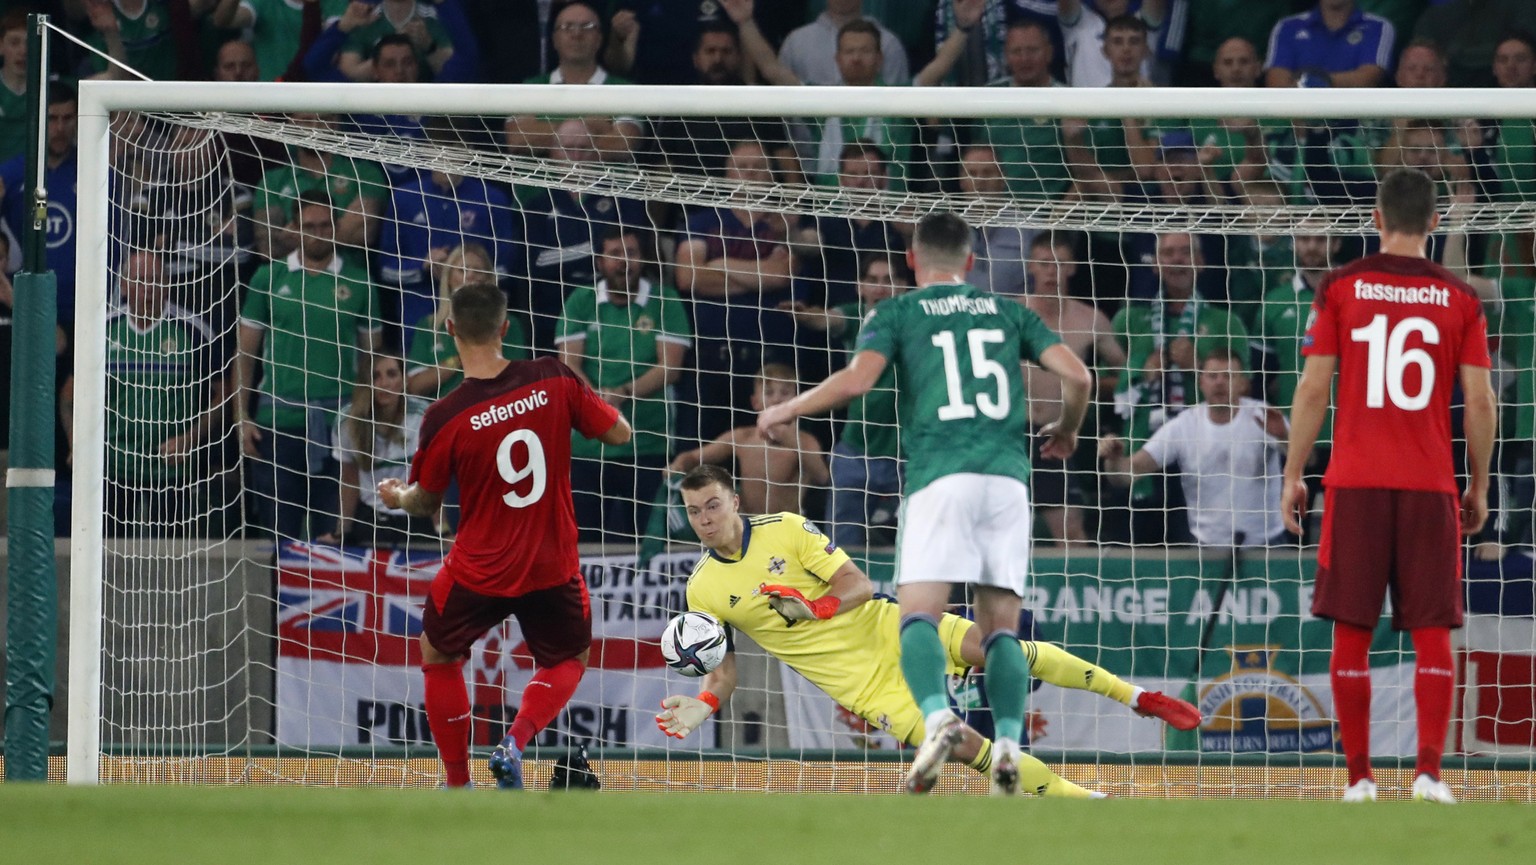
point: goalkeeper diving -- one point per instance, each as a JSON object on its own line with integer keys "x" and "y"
{"x": 780, "y": 581}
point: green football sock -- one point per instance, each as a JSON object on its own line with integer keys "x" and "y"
{"x": 1007, "y": 684}
{"x": 925, "y": 664}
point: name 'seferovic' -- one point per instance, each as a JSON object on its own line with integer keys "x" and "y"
{"x": 952, "y": 305}
{"x": 1402, "y": 294}
{"x": 507, "y": 411}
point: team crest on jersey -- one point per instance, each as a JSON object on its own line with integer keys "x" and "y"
{"x": 343, "y": 291}
{"x": 168, "y": 346}
{"x": 811, "y": 527}
{"x": 1306, "y": 341}
{"x": 645, "y": 324}
{"x": 776, "y": 565}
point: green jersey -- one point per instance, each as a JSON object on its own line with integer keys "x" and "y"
{"x": 1256, "y": 266}
{"x": 313, "y": 323}
{"x": 870, "y": 427}
{"x": 956, "y": 350}
{"x": 1028, "y": 150}
{"x": 363, "y": 39}
{"x": 147, "y": 40}
{"x": 620, "y": 344}
{"x": 1281, "y": 326}
{"x": 158, "y": 381}
{"x": 1144, "y": 328}
{"x": 13, "y": 122}
{"x": 346, "y": 181}
{"x": 432, "y": 346}
{"x": 275, "y": 27}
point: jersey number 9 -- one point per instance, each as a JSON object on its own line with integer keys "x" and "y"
{"x": 514, "y": 474}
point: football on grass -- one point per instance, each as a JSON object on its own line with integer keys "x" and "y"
{"x": 693, "y": 644}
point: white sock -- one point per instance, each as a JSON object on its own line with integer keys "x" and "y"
{"x": 1136, "y": 692}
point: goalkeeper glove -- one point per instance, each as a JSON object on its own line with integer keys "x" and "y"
{"x": 682, "y": 715}
{"x": 790, "y": 604}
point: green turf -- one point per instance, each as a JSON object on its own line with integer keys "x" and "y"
{"x": 382, "y": 827}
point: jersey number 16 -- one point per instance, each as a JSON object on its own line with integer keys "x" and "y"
{"x": 1387, "y": 359}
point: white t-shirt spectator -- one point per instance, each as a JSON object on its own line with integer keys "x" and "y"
{"x": 1083, "y": 39}
{"x": 810, "y": 52}
{"x": 391, "y": 457}
{"x": 1231, "y": 473}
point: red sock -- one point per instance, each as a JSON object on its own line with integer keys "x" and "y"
{"x": 1349, "y": 668}
{"x": 1434, "y": 680}
{"x": 448, "y": 715}
{"x": 547, "y": 693}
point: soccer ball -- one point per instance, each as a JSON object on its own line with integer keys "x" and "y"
{"x": 693, "y": 644}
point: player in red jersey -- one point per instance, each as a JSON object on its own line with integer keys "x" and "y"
{"x": 505, "y": 435}
{"x": 1402, "y": 332}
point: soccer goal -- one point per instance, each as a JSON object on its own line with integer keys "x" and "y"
{"x": 261, "y": 273}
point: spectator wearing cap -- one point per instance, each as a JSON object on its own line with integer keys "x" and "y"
{"x": 1336, "y": 44}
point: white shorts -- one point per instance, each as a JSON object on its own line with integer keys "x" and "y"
{"x": 966, "y": 528}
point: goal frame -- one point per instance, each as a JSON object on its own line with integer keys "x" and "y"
{"x": 97, "y": 99}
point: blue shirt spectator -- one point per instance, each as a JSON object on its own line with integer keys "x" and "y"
{"x": 60, "y": 168}
{"x": 1334, "y": 45}
{"x": 652, "y": 41}
{"x": 429, "y": 218}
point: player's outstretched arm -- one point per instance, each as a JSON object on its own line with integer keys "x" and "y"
{"x": 836, "y": 391}
{"x": 848, "y": 588}
{"x": 1123, "y": 469}
{"x": 681, "y": 714}
{"x": 1481, "y": 422}
{"x": 1309, "y": 407}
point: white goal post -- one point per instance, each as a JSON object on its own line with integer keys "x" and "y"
{"x": 240, "y": 106}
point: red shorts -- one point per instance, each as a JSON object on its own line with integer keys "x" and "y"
{"x": 556, "y": 623}
{"x": 1376, "y": 540}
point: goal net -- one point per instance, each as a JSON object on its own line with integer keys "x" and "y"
{"x": 261, "y": 323}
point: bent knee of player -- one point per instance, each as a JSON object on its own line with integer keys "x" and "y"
{"x": 431, "y": 655}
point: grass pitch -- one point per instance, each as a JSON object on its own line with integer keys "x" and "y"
{"x": 286, "y": 826}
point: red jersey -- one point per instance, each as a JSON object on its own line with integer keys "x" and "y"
{"x": 508, "y": 442}
{"x": 1401, "y": 329}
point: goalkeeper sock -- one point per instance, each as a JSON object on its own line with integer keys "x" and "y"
{"x": 1007, "y": 684}
{"x": 982, "y": 762}
{"x": 1051, "y": 663}
{"x": 448, "y": 715}
{"x": 547, "y": 693}
{"x": 1433, "y": 681}
{"x": 1349, "y": 670}
{"x": 1037, "y": 779}
{"x": 924, "y": 663}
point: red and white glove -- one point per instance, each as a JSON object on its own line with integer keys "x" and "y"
{"x": 790, "y": 604}
{"x": 682, "y": 715}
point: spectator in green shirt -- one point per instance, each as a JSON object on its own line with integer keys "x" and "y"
{"x": 626, "y": 338}
{"x": 13, "y": 84}
{"x": 432, "y": 366}
{"x": 311, "y": 320}
{"x": 357, "y": 188}
{"x": 413, "y": 19}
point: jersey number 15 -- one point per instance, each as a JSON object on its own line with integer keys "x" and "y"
{"x": 982, "y": 367}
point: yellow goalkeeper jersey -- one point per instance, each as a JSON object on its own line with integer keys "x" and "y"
{"x": 851, "y": 656}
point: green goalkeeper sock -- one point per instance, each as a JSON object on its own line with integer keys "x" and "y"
{"x": 924, "y": 663}
{"x": 1007, "y": 684}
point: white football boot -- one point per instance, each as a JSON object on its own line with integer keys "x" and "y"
{"x": 944, "y": 731}
{"x": 1363, "y": 790}
{"x": 1427, "y": 789}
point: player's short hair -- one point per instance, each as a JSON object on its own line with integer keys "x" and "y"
{"x": 1524, "y": 37}
{"x": 393, "y": 39}
{"x": 1434, "y": 48}
{"x": 14, "y": 19}
{"x": 1054, "y": 240}
{"x": 859, "y": 25}
{"x": 1128, "y": 23}
{"x": 701, "y": 476}
{"x": 1226, "y": 355}
{"x": 319, "y": 196}
{"x": 1406, "y": 199}
{"x": 941, "y": 240}
{"x": 778, "y": 372}
{"x": 865, "y": 148}
{"x": 708, "y": 28}
{"x": 60, "y": 92}
{"x": 477, "y": 310}
{"x": 898, "y": 267}
{"x": 1027, "y": 24}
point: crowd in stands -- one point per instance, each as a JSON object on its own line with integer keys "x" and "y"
{"x": 287, "y": 303}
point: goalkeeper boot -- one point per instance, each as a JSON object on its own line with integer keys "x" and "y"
{"x": 1005, "y": 768}
{"x": 1363, "y": 790}
{"x": 944, "y": 733}
{"x": 574, "y": 772}
{"x": 1176, "y": 713}
{"x": 1427, "y": 789}
{"x": 507, "y": 765}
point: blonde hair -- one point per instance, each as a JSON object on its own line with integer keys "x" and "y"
{"x": 363, "y": 425}
{"x": 483, "y": 269}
